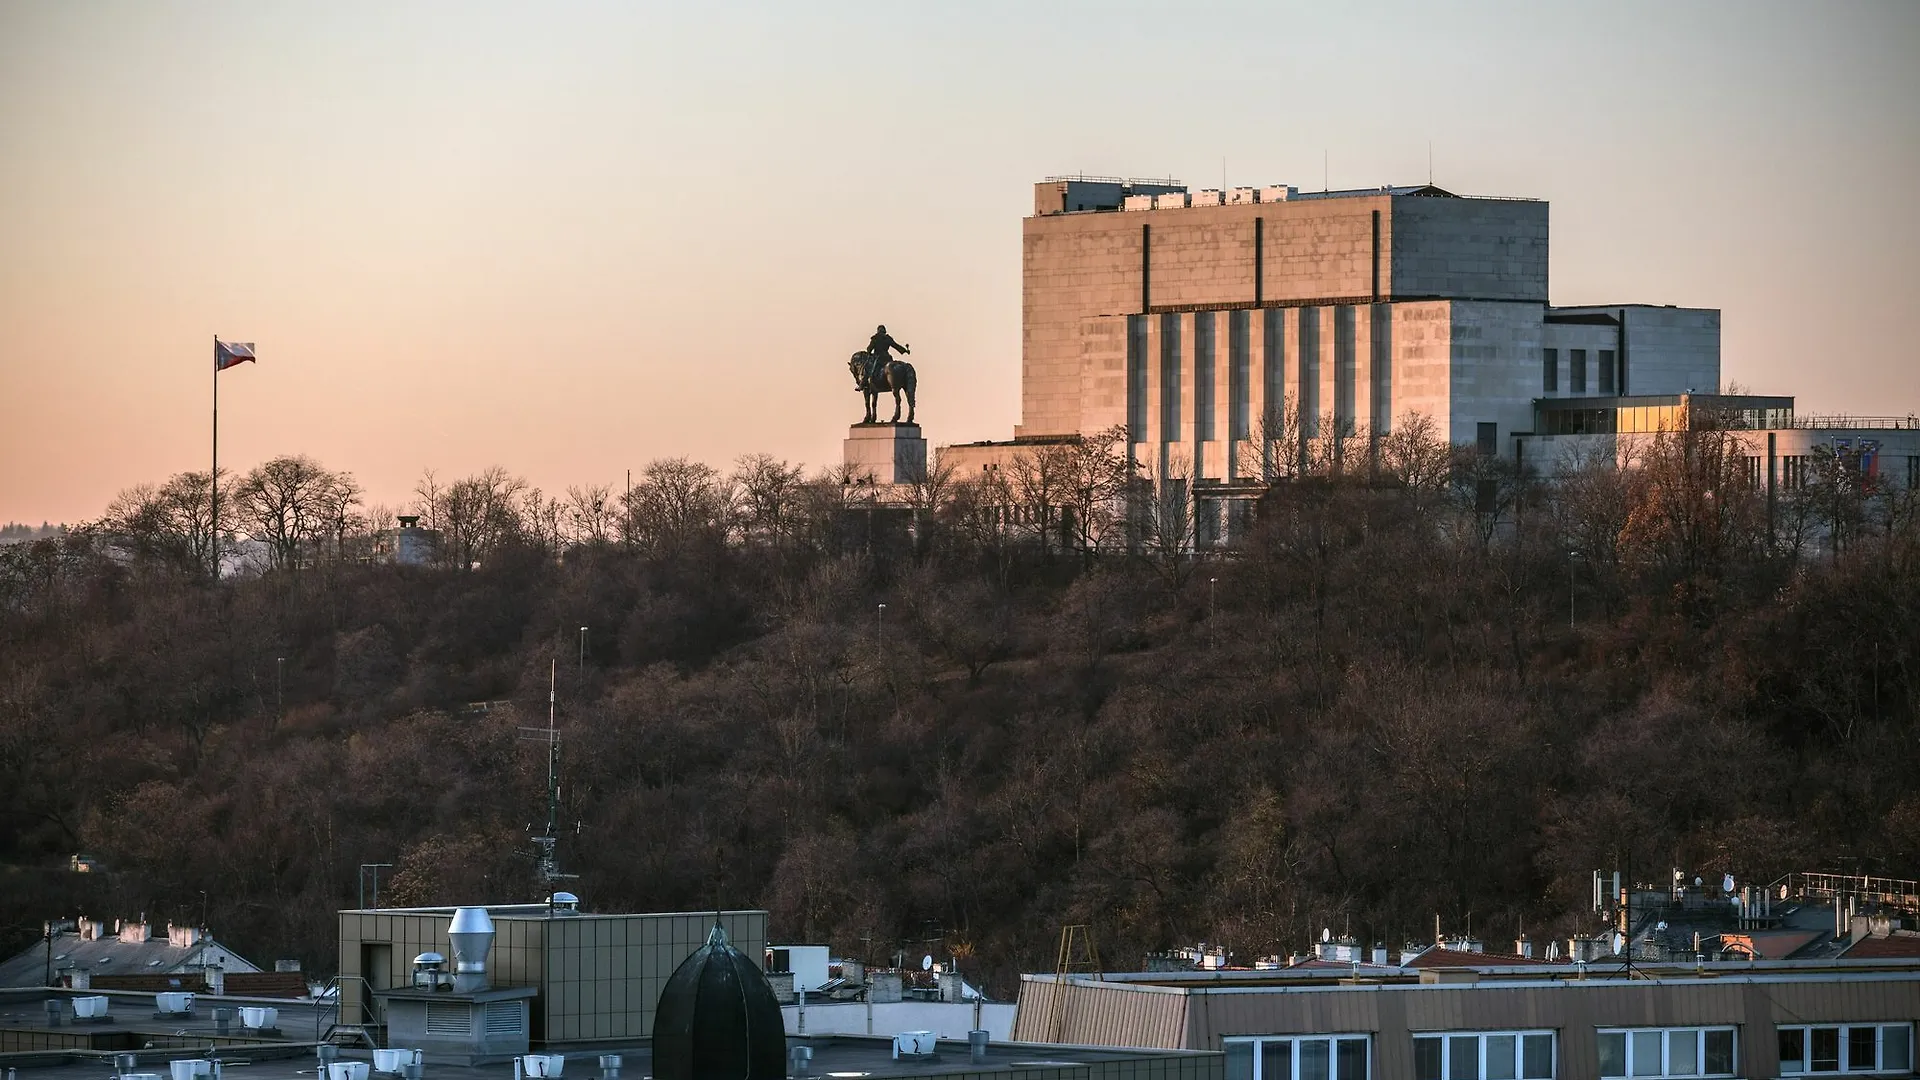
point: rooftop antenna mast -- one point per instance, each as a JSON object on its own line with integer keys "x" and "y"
{"x": 547, "y": 862}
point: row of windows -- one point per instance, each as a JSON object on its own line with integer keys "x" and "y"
{"x": 1341, "y": 1057}
{"x": 1492, "y": 1055}
{"x": 1632, "y": 420}
{"x": 1605, "y": 370}
{"x": 1683, "y": 1053}
{"x": 1812, "y": 1050}
{"x": 1666, "y": 1052}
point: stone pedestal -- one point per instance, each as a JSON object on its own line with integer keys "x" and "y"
{"x": 886, "y": 454}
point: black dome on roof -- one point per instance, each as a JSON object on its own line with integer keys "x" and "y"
{"x": 718, "y": 1019}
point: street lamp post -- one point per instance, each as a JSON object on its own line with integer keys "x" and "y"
{"x": 1212, "y": 641}
{"x": 1571, "y": 556}
{"x": 280, "y": 685}
{"x": 880, "y": 624}
{"x": 583, "y": 651}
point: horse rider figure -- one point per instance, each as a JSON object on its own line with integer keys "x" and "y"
{"x": 876, "y": 372}
{"x": 881, "y": 342}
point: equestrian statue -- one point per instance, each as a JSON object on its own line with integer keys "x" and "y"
{"x": 875, "y": 372}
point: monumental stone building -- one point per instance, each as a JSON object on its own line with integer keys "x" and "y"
{"x": 1208, "y": 323}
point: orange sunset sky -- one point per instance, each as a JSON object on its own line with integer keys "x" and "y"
{"x": 569, "y": 238}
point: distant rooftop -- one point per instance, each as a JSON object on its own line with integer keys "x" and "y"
{"x": 291, "y": 1057}
{"x": 1100, "y": 194}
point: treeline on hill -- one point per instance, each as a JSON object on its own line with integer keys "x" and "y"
{"x": 1369, "y": 709}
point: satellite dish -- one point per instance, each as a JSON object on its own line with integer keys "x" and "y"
{"x": 1697, "y": 882}
{"x": 926, "y": 962}
{"x": 1726, "y": 883}
{"x": 1326, "y": 933}
{"x": 1619, "y": 942}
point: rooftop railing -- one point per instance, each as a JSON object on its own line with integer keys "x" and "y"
{"x": 1891, "y": 892}
{"x": 1841, "y": 421}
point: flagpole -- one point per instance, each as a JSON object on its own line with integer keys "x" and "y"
{"x": 213, "y": 478}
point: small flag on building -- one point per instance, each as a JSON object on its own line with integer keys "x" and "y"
{"x": 228, "y": 353}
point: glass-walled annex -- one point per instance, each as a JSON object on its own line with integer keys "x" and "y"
{"x": 1652, "y": 415}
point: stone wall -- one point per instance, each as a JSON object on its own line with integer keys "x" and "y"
{"x": 1084, "y": 266}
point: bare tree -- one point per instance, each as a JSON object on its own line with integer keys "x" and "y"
{"x": 590, "y": 513}
{"x": 290, "y": 502}
{"x": 1160, "y": 513}
{"x": 540, "y": 521}
{"x": 768, "y": 492}
{"x": 475, "y": 515}
{"x": 1041, "y": 476}
{"x": 1276, "y": 451}
{"x": 678, "y": 503}
{"x": 172, "y": 523}
{"x": 1096, "y": 475}
{"x": 1692, "y": 513}
{"x": 1415, "y": 456}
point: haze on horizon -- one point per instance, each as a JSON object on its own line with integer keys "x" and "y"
{"x": 571, "y": 239}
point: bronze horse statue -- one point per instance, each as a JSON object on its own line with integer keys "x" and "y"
{"x": 873, "y": 376}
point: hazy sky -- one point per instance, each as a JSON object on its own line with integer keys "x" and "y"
{"x": 569, "y": 238}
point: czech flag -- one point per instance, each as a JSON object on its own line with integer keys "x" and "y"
{"x": 228, "y": 353}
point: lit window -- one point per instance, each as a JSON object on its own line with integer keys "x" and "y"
{"x": 1299, "y": 1057}
{"x": 1626, "y": 1052}
{"x": 1484, "y": 1055}
{"x": 1846, "y": 1048}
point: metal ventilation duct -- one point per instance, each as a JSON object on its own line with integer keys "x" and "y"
{"x": 472, "y": 938}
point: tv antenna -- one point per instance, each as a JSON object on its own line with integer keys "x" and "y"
{"x": 546, "y": 858}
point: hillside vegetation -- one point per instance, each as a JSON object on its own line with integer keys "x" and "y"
{"x": 1368, "y": 710}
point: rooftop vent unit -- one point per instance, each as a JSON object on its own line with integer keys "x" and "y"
{"x": 1278, "y": 193}
{"x": 1242, "y": 196}
{"x": 1137, "y": 202}
{"x": 430, "y": 972}
{"x": 1170, "y": 200}
{"x": 472, "y": 938}
{"x": 1206, "y": 197}
{"x": 563, "y": 903}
